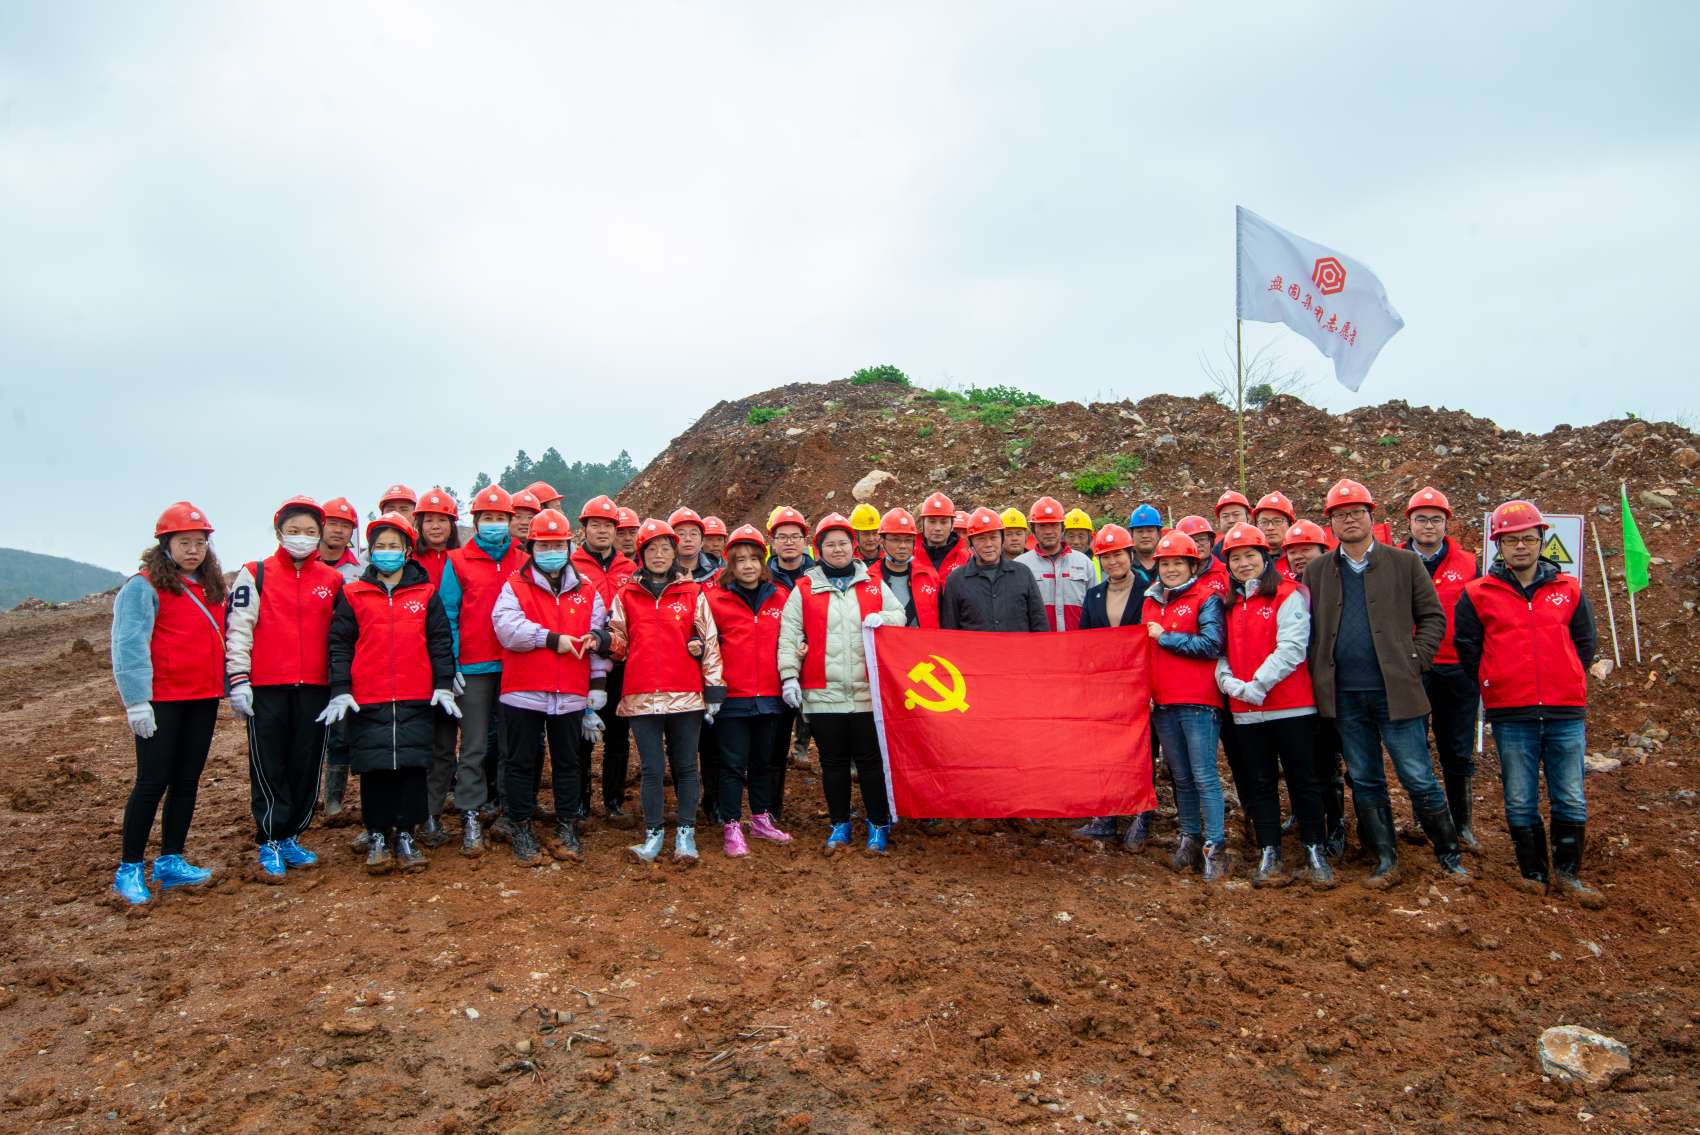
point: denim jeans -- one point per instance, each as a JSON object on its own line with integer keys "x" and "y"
{"x": 1525, "y": 747}
{"x": 1188, "y": 734}
{"x": 1361, "y": 716}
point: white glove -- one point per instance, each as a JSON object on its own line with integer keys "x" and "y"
{"x": 142, "y": 722}
{"x": 877, "y": 619}
{"x": 1231, "y": 686}
{"x": 446, "y": 699}
{"x": 337, "y": 708}
{"x": 708, "y": 714}
{"x": 792, "y": 692}
{"x": 242, "y": 700}
{"x": 460, "y": 683}
{"x": 1253, "y": 694}
{"x": 591, "y": 726}
{"x": 598, "y": 699}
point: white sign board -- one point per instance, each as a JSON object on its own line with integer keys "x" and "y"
{"x": 1563, "y": 543}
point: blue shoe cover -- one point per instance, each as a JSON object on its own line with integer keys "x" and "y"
{"x": 271, "y": 859}
{"x": 174, "y": 871}
{"x": 879, "y": 838}
{"x": 129, "y": 885}
{"x": 840, "y": 837}
{"x": 295, "y": 855}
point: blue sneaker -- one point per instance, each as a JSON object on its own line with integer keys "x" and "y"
{"x": 129, "y": 885}
{"x": 272, "y": 861}
{"x": 175, "y": 871}
{"x": 295, "y": 855}
{"x": 839, "y": 840}
{"x": 879, "y": 838}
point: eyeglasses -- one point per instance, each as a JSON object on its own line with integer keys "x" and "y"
{"x": 788, "y": 538}
{"x": 1521, "y": 540}
{"x": 194, "y": 545}
{"x": 1428, "y": 521}
{"x": 1349, "y": 514}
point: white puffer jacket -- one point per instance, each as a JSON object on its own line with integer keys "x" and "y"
{"x": 846, "y": 689}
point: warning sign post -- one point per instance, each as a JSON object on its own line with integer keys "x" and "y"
{"x": 1563, "y": 545}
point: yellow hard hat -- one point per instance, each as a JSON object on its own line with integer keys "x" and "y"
{"x": 1077, "y": 519}
{"x": 1013, "y": 518}
{"x": 865, "y": 518}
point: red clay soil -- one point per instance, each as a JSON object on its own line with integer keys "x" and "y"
{"x": 969, "y": 982}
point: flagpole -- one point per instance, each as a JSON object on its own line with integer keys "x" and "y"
{"x": 1605, "y": 585}
{"x": 1239, "y": 397}
{"x": 1634, "y": 623}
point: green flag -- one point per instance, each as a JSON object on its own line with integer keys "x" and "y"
{"x": 1635, "y": 555}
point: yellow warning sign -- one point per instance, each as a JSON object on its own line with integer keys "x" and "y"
{"x": 1555, "y": 550}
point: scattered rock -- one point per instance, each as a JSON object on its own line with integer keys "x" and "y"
{"x": 869, "y": 487}
{"x": 1599, "y": 762}
{"x": 1358, "y": 959}
{"x": 354, "y": 1026}
{"x": 1574, "y": 1054}
{"x": 1441, "y": 451}
{"x": 795, "y": 431}
{"x": 1654, "y": 500}
{"x": 1687, "y": 457}
{"x": 1167, "y": 441}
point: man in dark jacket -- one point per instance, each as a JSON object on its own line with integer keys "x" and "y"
{"x": 991, "y": 593}
{"x": 1376, "y": 622}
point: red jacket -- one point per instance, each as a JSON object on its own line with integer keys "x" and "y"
{"x": 1251, "y": 639}
{"x": 391, "y": 659}
{"x": 657, "y": 631}
{"x": 568, "y": 615}
{"x": 958, "y": 556}
{"x": 607, "y": 581}
{"x": 291, "y": 632}
{"x": 187, "y": 646}
{"x": 481, "y": 579}
{"x": 1528, "y": 657}
{"x": 749, "y": 641}
{"x": 1175, "y": 678}
{"x": 924, "y": 588}
{"x": 1456, "y": 568}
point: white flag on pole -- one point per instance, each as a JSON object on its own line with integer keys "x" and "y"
{"x": 1326, "y": 296}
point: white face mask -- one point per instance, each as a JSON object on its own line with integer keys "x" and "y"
{"x": 300, "y": 547}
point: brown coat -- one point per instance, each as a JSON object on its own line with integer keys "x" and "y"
{"x": 1406, "y": 623}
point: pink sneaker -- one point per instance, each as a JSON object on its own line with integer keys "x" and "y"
{"x": 763, "y": 827}
{"x": 735, "y": 845}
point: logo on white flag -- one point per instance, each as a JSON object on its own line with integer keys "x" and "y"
{"x": 1329, "y": 276}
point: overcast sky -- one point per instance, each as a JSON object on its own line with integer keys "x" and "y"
{"x": 251, "y": 250}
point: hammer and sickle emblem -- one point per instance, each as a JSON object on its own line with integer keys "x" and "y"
{"x": 949, "y": 698}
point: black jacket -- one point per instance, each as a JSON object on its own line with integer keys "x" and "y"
{"x": 1003, "y": 597}
{"x": 788, "y": 577}
{"x": 1095, "y": 607}
{"x": 1467, "y": 640}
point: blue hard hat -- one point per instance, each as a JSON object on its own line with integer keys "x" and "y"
{"x": 1145, "y": 516}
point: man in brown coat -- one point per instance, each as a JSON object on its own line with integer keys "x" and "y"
{"x": 1375, "y": 625}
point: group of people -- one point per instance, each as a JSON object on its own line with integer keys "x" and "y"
{"x": 439, "y": 670}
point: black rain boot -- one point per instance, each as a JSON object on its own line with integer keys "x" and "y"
{"x": 1458, "y": 787}
{"x": 1438, "y": 827}
{"x": 1531, "y": 847}
{"x": 1568, "y": 840}
{"x": 1189, "y": 854}
{"x": 336, "y": 784}
{"x": 1334, "y": 808}
{"x": 431, "y": 832}
{"x": 1375, "y": 828}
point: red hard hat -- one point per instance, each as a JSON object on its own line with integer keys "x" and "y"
{"x": 602, "y": 508}
{"x": 182, "y": 517}
{"x": 550, "y": 524}
{"x": 393, "y": 520}
{"x": 1232, "y": 496}
{"x": 1177, "y": 544}
{"x": 1275, "y": 502}
{"x": 525, "y": 498}
{"x": 682, "y": 516}
{"x": 746, "y": 534}
{"x": 959, "y": 521}
{"x": 713, "y": 526}
{"x": 492, "y": 498}
{"x": 543, "y": 491}
{"x": 340, "y": 508}
{"x": 938, "y": 505}
{"x": 1429, "y": 497}
{"x": 1111, "y": 538}
{"x": 831, "y": 521}
{"x": 1347, "y": 491}
{"x": 1194, "y": 525}
{"x": 652, "y": 529}
{"x": 1244, "y": 536}
{"x": 626, "y": 518}
{"x": 983, "y": 520}
{"x": 1045, "y": 510}
{"x": 439, "y": 502}
{"x": 1515, "y": 516}
{"x": 1305, "y": 532}
{"x": 397, "y": 492}
{"x": 785, "y": 514}
{"x": 298, "y": 501}
{"x": 897, "y": 522}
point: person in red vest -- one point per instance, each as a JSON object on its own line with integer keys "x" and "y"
{"x": 1452, "y": 695}
{"x": 1273, "y": 516}
{"x": 1214, "y": 573}
{"x": 1232, "y": 508}
{"x": 341, "y": 521}
{"x": 942, "y": 543}
{"x": 824, "y": 673}
{"x": 400, "y": 500}
{"x": 438, "y": 519}
{"x": 911, "y": 579}
{"x": 436, "y": 516}
{"x": 788, "y": 530}
{"x": 599, "y": 561}
{"x": 625, "y": 533}
{"x": 662, "y": 628}
{"x": 546, "y": 495}
{"x": 714, "y": 537}
{"x": 1525, "y": 634}
{"x": 481, "y": 568}
{"x": 1263, "y": 672}
{"x": 1304, "y": 542}
{"x": 392, "y": 667}
{"x": 552, "y": 624}
{"x": 689, "y": 531}
{"x": 746, "y": 606}
{"x": 526, "y": 505}
{"x": 277, "y": 627}
{"x": 1063, "y": 574}
{"x": 168, "y": 665}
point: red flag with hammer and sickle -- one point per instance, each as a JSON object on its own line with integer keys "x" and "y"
{"x": 980, "y": 725}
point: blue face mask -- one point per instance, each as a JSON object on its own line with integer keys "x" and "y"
{"x": 550, "y": 562}
{"x": 388, "y": 561}
{"x": 492, "y": 536}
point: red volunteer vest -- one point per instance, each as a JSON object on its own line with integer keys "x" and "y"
{"x": 1175, "y": 679}
{"x": 607, "y": 581}
{"x": 1285, "y": 570}
{"x": 292, "y": 633}
{"x": 481, "y": 580}
{"x": 657, "y": 630}
{"x": 1457, "y": 567}
{"x": 815, "y": 605}
{"x": 568, "y": 615}
{"x": 924, "y": 586}
{"x": 391, "y": 662}
{"x": 187, "y": 646}
{"x": 1528, "y": 658}
{"x": 958, "y": 557}
{"x": 1216, "y": 579}
{"x": 749, "y": 642}
{"x": 1251, "y": 639}
{"x": 433, "y": 561}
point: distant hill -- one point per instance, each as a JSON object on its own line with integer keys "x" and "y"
{"x": 53, "y": 578}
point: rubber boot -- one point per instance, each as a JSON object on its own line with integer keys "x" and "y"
{"x": 650, "y": 849}
{"x": 295, "y": 855}
{"x": 336, "y": 784}
{"x": 378, "y": 861}
{"x": 1138, "y": 833}
{"x": 524, "y": 843}
{"x": 1414, "y": 833}
{"x": 1463, "y": 810}
{"x": 1189, "y": 854}
{"x": 1097, "y": 828}
{"x": 1316, "y": 868}
{"x": 431, "y": 832}
{"x": 174, "y": 871}
{"x": 879, "y": 839}
{"x": 1532, "y": 868}
{"x": 1216, "y": 865}
{"x": 471, "y": 835}
{"x": 763, "y": 827}
{"x": 1334, "y": 809}
{"x": 566, "y": 843}
{"x": 685, "y": 846}
{"x": 1568, "y": 841}
{"x": 733, "y": 842}
{"x": 272, "y": 861}
{"x": 838, "y": 839}
{"x": 1437, "y": 825}
{"x": 617, "y": 817}
{"x": 408, "y": 857}
{"x": 1375, "y": 828}
{"x": 1271, "y": 872}
{"x": 129, "y": 885}
{"x": 501, "y": 830}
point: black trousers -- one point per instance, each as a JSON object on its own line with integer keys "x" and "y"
{"x": 665, "y": 739}
{"x": 708, "y": 761}
{"x": 778, "y": 759}
{"x": 746, "y": 745}
{"x": 286, "y": 754}
{"x": 393, "y": 799}
{"x": 1454, "y": 701}
{"x": 1329, "y": 772}
{"x": 616, "y": 744}
{"x": 168, "y": 767}
{"x": 526, "y": 729}
{"x": 1291, "y": 741}
{"x": 844, "y": 739}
